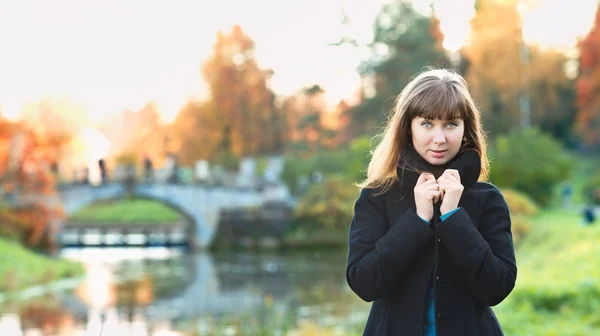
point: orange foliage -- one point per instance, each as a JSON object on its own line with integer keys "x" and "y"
{"x": 241, "y": 100}
{"x": 49, "y": 315}
{"x": 588, "y": 86}
{"x": 494, "y": 55}
{"x": 436, "y": 32}
{"x": 26, "y": 159}
{"x": 547, "y": 81}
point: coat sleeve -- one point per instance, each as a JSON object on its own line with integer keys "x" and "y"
{"x": 485, "y": 257}
{"x": 378, "y": 257}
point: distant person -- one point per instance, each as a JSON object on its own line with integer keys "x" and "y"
{"x": 103, "y": 173}
{"x": 430, "y": 243}
{"x": 54, "y": 168}
{"x": 86, "y": 176}
{"x": 567, "y": 192}
{"x": 589, "y": 214}
{"x": 148, "y": 169}
{"x": 174, "y": 177}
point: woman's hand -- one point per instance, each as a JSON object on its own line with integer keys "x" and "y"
{"x": 451, "y": 190}
{"x": 427, "y": 192}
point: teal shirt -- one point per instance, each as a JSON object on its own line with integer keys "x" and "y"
{"x": 429, "y": 310}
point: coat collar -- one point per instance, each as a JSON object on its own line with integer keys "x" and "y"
{"x": 411, "y": 165}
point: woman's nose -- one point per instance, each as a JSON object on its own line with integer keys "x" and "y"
{"x": 439, "y": 136}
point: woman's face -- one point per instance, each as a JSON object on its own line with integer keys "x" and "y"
{"x": 437, "y": 141}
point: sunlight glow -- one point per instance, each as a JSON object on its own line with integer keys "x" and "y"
{"x": 97, "y": 289}
{"x": 113, "y": 55}
{"x": 95, "y": 142}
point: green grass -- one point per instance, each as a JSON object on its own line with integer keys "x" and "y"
{"x": 558, "y": 284}
{"x": 127, "y": 211}
{"x": 21, "y": 268}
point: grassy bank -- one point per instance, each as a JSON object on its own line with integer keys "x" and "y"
{"x": 21, "y": 268}
{"x": 558, "y": 285}
{"x": 127, "y": 211}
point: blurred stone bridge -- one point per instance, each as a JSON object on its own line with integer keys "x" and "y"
{"x": 201, "y": 204}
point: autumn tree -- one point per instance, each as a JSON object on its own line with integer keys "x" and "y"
{"x": 55, "y": 122}
{"x": 310, "y": 127}
{"x": 337, "y": 122}
{"x": 193, "y": 133}
{"x": 241, "y": 100}
{"x": 29, "y": 208}
{"x": 310, "y": 124}
{"x": 552, "y": 94}
{"x": 291, "y": 111}
{"x": 405, "y": 42}
{"x": 495, "y": 66}
{"x": 588, "y": 86}
{"x": 436, "y": 32}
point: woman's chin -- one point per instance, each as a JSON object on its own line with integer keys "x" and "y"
{"x": 437, "y": 161}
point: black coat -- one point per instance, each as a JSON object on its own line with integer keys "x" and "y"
{"x": 469, "y": 258}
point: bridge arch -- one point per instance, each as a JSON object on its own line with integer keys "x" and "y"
{"x": 178, "y": 230}
{"x": 200, "y": 204}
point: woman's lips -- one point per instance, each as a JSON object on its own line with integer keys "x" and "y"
{"x": 438, "y": 154}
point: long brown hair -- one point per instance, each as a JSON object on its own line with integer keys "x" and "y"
{"x": 433, "y": 94}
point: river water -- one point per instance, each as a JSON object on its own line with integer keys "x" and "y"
{"x": 160, "y": 292}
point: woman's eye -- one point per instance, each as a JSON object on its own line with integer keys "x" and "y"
{"x": 452, "y": 124}
{"x": 426, "y": 124}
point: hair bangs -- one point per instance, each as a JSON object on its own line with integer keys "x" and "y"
{"x": 441, "y": 101}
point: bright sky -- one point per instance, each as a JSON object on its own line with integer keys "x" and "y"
{"x": 110, "y": 55}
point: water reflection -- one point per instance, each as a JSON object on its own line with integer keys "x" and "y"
{"x": 110, "y": 324}
{"x": 159, "y": 291}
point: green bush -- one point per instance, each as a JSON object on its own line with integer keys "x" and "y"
{"x": 327, "y": 206}
{"x": 522, "y": 208}
{"x": 350, "y": 162}
{"x": 521, "y": 226}
{"x": 358, "y": 158}
{"x": 592, "y": 189}
{"x": 519, "y": 203}
{"x": 530, "y": 161}
{"x": 227, "y": 160}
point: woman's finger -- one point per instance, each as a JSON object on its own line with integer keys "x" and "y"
{"x": 434, "y": 193}
{"x": 452, "y": 174}
{"x": 422, "y": 178}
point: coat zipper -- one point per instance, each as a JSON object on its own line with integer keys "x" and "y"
{"x": 436, "y": 218}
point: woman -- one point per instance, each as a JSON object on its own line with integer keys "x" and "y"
{"x": 429, "y": 244}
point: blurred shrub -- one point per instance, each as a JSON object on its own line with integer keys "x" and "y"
{"x": 358, "y": 158}
{"x": 13, "y": 227}
{"x": 521, "y": 226}
{"x": 519, "y": 203}
{"x": 327, "y": 206}
{"x": 530, "y": 161}
{"x": 592, "y": 189}
{"x": 226, "y": 159}
{"x": 350, "y": 162}
{"x": 522, "y": 208}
